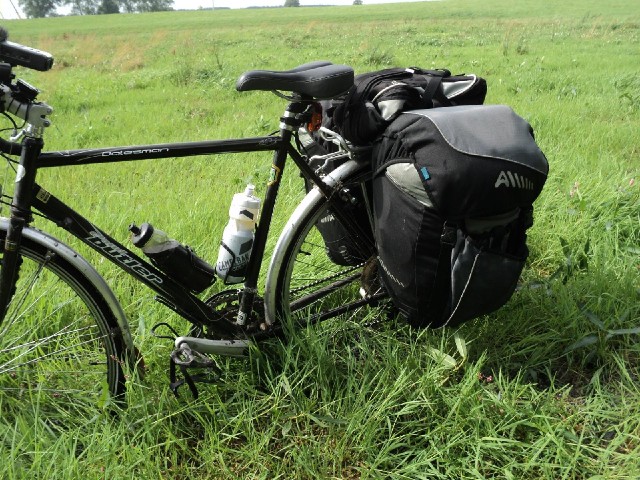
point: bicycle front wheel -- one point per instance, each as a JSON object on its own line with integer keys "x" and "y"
{"x": 312, "y": 288}
{"x": 61, "y": 349}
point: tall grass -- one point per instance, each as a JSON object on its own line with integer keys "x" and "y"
{"x": 517, "y": 394}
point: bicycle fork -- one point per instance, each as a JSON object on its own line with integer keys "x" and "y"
{"x": 20, "y": 216}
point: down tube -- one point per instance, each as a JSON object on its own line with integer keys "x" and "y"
{"x": 173, "y": 295}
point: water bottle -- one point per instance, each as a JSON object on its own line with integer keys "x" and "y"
{"x": 176, "y": 260}
{"x": 237, "y": 237}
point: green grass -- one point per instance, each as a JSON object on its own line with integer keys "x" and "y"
{"x": 541, "y": 389}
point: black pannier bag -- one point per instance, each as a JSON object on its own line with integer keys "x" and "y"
{"x": 361, "y": 116}
{"x": 452, "y": 197}
{"x": 377, "y": 98}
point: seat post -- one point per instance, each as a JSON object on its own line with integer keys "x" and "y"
{"x": 290, "y": 121}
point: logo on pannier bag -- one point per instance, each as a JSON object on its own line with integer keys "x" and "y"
{"x": 510, "y": 179}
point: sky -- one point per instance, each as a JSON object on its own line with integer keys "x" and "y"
{"x": 7, "y": 11}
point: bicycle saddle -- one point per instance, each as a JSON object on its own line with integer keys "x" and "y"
{"x": 319, "y": 80}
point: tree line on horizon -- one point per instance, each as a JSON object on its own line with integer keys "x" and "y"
{"x": 48, "y": 8}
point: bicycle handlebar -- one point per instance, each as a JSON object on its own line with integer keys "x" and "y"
{"x": 23, "y": 56}
{"x": 34, "y": 113}
{"x": 19, "y": 98}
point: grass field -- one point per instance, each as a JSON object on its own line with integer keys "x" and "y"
{"x": 547, "y": 387}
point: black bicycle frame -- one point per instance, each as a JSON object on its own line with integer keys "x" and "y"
{"x": 170, "y": 293}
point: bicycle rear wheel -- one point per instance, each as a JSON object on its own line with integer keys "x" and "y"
{"x": 312, "y": 288}
{"x": 61, "y": 348}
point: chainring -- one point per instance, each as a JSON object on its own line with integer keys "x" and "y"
{"x": 224, "y": 306}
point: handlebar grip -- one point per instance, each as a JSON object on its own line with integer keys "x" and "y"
{"x": 23, "y": 56}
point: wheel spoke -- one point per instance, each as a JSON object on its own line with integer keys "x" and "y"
{"x": 16, "y": 304}
{"x": 58, "y": 339}
{"x": 313, "y": 287}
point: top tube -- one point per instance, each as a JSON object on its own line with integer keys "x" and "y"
{"x": 154, "y": 151}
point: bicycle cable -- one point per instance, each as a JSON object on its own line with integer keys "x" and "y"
{"x": 15, "y": 126}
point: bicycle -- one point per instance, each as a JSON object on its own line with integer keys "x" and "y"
{"x": 81, "y": 330}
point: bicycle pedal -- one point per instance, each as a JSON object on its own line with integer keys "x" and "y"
{"x": 225, "y": 348}
{"x": 185, "y": 359}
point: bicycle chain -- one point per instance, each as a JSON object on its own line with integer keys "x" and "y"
{"x": 331, "y": 277}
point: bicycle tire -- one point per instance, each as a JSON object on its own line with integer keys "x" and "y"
{"x": 61, "y": 347}
{"x": 311, "y": 288}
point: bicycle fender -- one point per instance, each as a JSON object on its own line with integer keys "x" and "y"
{"x": 90, "y": 273}
{"x": 287, "y": 235}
